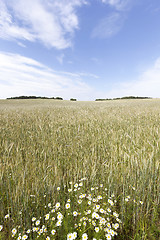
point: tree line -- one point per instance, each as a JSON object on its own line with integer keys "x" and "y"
{"x": 35, "y": 97}
{"x": 39, "y": 97}
{"x": 128, "y": 97}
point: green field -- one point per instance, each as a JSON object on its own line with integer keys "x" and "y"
{"x": 47, "y": 144}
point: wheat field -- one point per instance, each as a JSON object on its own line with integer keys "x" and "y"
{"x": 46, "y": 145}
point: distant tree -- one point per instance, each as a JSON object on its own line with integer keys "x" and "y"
{"x": 59, "y": 98}
{"x": 73, "y": 99}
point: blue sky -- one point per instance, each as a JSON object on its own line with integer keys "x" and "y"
{"x": 84, "y": 49}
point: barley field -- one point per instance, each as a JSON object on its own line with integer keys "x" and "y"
{"x": 80, "y": 170}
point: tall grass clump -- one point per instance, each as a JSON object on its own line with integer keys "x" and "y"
{"x": 46, "y": 145}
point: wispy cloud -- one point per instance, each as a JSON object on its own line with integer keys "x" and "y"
{"x": 120, "y": 5}
{"x": 95, "y": 60}
{"x": 113, "y": 23}
{"x": 24, "y": 76}
{"x": 147, "y": 84}
{"x": 109, "y": 26}
{"x": 51, "y": 22}
{"x": 21, "y": 44}
{"x": 60, "y": 58}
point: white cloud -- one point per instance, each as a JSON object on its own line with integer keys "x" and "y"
{"x": 147, "y": 84}
{"x": 109, "y": 26}
{"x": 25, "y": 76}
{"x": 21, "y": 44}
{"x": 120, "y": 5}
{"x": 95, "y": 60}
{"x": 113, "y": 23}
{"x": 60, "y": 58}
{"x": 51, "y": 22}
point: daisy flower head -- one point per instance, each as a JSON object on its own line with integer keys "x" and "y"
{"x": 33, "y": 219}
{"x": 1, "y": 227}
{"x": 70, "y": 236}
{"x": 59, "y": 216}
{"x": 108, "y": 225}
{"x": 37, "y": 222}
{"x": 57, "y": 205}
{"x": 108, "y": 236}
{"x": 101, "y": 210}
{"x": 97, "y": 207}
{"x": 48, "y": 238}
{"x": 89, "y": 212}
{"x": 109, "y": 210}
{"x": 58, "y": 188}
{"x": 84, "y": 223}
{"x": 53, "y": 232}
{"x": 14, "y": 231}
{"x": 67, "y": 205}
{"x": 74, "y": 235}
{"x": 97, "y": 216}
{"x": 84, "y": 236}
{"x": 76, "y": 185}
{"x": 75, "y": 213}
{"x": 24, "y": 237}
{"x": 112, "y": 233}
{"x": 79, "y": 201}
{"x": 59, "y": 223}
{"x": 47, "y": 216}
{"x": 96, "y": 229}
{"x": 7, "y": 216}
